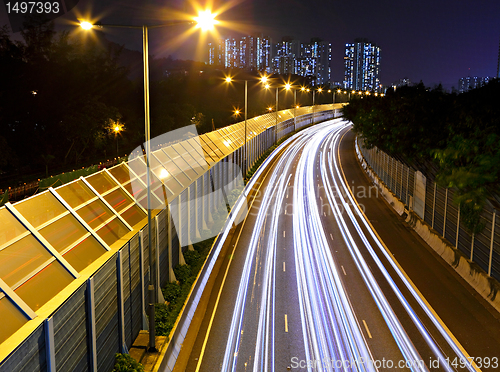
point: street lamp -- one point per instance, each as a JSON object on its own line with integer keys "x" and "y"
{"x": 117, "y": 128}
{"x": 288, "y": 86}
{"x": 205, "y": 21}
{"x": 230, "y": 80}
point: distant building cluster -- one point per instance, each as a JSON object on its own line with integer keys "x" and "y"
{"x": 362, "y": 66}
{"x": 472, "y": 82}
{"x": 289, "y": 56}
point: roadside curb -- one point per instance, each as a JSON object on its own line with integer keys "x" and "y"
{"x": 483, "y": 284}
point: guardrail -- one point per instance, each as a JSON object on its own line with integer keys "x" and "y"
{"x": 434, "y": 205}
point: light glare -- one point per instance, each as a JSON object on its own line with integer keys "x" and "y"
{"x": 86, "y": 25}
{"x": 206, "y": 20}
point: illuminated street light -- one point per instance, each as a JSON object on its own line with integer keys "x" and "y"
{"x": 205, "y": 21}
{"x": 86, "y": 25}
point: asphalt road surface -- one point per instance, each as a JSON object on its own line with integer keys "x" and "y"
{"x": 322, "y": 275}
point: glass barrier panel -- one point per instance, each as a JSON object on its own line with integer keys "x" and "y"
{"x": 44, "y": 285}
{"x": 84, "y": 253}
{"x": 10, "y": 227}
{"x": 12, "y": 318}
{"x": 63, "y": 232}
{"x": 40, "y": 209}
{"x": 75, "y": 193}
{"x": 118, "y": 199}
{"x": 101, "y": 182}
{"x": 121, "y": 173}
{"x": 134, "y": 215}
{"x": 22, "y": 258}
{"x": 113, "y": 231}
{"x": 95, "y": 214}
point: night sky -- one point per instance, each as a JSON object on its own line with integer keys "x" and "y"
{"x": 436, "y": 41}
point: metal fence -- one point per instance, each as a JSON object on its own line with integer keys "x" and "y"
{"x": 434, "y": 204}
{"x": 102, "y": 311}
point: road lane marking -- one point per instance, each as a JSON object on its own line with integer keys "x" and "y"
{"x": 331, "y": 236}
{"x": 343, "y": 270}
{"x": 286, "y": 324}
{"x": 210, "y": 323}
{"x": 420, "y": 296}
{"x": 284, "y": 266}
{"x": 284, "y": 234}
{"x": 367, "y": 330}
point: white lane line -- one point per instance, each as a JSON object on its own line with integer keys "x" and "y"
{"x": 367, "y": 330}
{"x": 284, "y": 234}
{"x": 331, "y": 236}
{"x": 284, "y": 266}
{"x": 286, "y": 323}
{"x": 343, "y": 270}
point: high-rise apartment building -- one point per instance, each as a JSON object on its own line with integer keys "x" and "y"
{"x": 471, "y": 82}
{"x": 288, "y": 57}
{"x": 362, "y": 66}
{"x": 247, "y": 52}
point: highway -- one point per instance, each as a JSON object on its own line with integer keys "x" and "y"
{"x": 307, "y": 283}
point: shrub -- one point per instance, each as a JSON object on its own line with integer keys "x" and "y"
{"x": 171, "y": 291}
{"x": 182, "y": 272}
{"x": 191, "y": 257}
{"x": 125, "y": 363}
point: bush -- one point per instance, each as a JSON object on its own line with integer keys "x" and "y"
{"x": 171, "y": 291}
{"x": 125, "y": 363}
{"x": 191, "y": 257}
{"x": 182, "y": 273}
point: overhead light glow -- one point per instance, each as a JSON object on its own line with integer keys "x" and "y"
{"x": 206, "y": 20}
{"x": 164, "y": 174}
{"x": 86, "y": 25}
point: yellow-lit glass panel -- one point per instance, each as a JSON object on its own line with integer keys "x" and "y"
{"x": 184, "y": 164}
{"x": 95, "y": 214}
{"x": 12, "y": 318}
{"x": 84, "y": 253}
{"x": 113, "y": 231}
{"x": 134, "y": 215}
{"x": 138, "y": 165}
{"x": 20, "y": 259}
{"x": 40, "y": 209}
{"x": 44, "y": 285}
{"x": 75, "y": 193}
{"x": 121, "y": 173}
{"x": 101, "y": 182}
{"x": 63, "y": 232}
{"x": 118, "y": 200}
{"x": 11, "y": 227}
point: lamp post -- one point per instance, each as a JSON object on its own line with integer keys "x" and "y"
{"x": 205, "y": 21}
{"x": 117, "y": 128}
{"x": 267, "y": 86}
{"x": 288, "y": 86}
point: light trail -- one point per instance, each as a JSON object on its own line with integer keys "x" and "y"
{"x": 330, "y": 328}
{"x": 331, "y": 164}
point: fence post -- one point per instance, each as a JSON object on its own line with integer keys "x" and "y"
{"x": 121, "y": 310}
{"x": 434, "y": 204}
{"x": 171, "y": 274}
{"x": 50, "y": 351}
{"x": 445, "y": 208}
{"x": 92, "y": 336}
{"x": 491, "y": 240}
{"x": 458, "y": 227}
{"x": 472, "y": 248}
{"x": 407, "y": 184}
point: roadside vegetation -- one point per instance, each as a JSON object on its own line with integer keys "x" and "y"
{"x": 454, "y": 138}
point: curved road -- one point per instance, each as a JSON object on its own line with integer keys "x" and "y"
{"x": 306, "y": 283}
